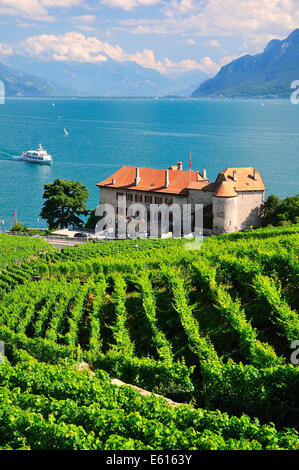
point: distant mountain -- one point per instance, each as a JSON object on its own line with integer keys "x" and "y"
{"x": 108, "y": 78}
{"x": 184, "y": 84}
{"x": 265, "y": 75}
{"x": 23, "y": 85}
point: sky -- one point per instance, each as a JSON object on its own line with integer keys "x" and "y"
{"x": 170, "y": 36}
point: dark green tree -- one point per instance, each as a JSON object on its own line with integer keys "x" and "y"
{"x": 270, "y": 210}
{"x": 290, "y": 209}
{"x": 280, "y": 212}
{"x": 92, "y": 220}
{"x": 65, "y": 203}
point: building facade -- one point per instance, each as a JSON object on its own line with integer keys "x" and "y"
{"x": 230, "y": 204}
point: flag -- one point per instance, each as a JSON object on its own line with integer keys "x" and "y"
{"x": 13, "y": 217}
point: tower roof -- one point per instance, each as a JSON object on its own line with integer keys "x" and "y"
{"x": 225, "y": 189}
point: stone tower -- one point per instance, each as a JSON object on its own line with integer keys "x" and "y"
{"x": 225, "y": 208}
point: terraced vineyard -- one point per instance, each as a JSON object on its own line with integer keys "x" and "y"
{"x": 210, "y": 327}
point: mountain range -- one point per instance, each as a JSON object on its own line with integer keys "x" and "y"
{"x": 265, "y": 75}
{"x": 110, "y": 78}
{"x": 25, "y": 76}
{"x": 27, "y": 85}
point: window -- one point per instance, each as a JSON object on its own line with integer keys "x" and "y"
{"x": 158, "y": 200}
{"x": 118, "y": 195}
{"x": 168, "y": 201}
{"x": 129, "y": 197}
{"x": 148, "y": 199}
{"x": 138, "y": 197}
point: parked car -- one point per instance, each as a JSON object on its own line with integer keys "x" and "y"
{"x": 80, "y": 235}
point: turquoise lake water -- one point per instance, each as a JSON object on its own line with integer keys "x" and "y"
{"x": 106, "y": 134}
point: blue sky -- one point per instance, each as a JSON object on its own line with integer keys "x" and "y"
{"x": 171, "y": 36}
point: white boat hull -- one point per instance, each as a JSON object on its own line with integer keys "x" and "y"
{"x": 39, "y": 162}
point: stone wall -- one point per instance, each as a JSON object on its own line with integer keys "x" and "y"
{"x": 200, "y": 197}
{"x": 229, "y": 214}
{"x": 108, "y": 196}
{"x": 249, "y": 204}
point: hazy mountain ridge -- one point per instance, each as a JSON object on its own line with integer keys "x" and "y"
{"x": 109, "y": 78}
{"x": 20, "y": 84}
{"x": 265, "y": 75}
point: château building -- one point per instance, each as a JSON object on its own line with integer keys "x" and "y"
{"x": 232, "y": 203}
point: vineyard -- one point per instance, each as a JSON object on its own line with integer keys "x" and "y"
{"x": 211, "y": 329}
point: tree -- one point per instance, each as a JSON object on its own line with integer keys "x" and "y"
{"x": 270, "y": 210}
{"x": 65, "y": 202}
{"x": 18, "y": 227}
{"x": 92, "y": 220}
{"x": 280, "y": 212}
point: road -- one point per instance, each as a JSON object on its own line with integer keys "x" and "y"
{"x": 63, "y": 243}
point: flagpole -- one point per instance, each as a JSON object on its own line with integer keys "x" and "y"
{"x": 190, "y": 167}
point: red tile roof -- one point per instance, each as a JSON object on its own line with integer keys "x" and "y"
{"x": 244, "y": 179}
{"x": 152, "y": 180}
{"x": 203, "y": 185}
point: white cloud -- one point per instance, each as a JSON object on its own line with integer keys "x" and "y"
{"x": 191, "y": 42}
{"x": 77, "y": 47}
{"x": 71, "y": 46}
{"x": 85, "y": 27}
{"x": 227, "y": 59}
{"x": 206, "y": 65}
{"x": 214, "y": 43}
{"x": 129, "y": 4}
{"x": 84, "y": 22}
{"x": 5, "y": 50}
{"x": 83, "y": 19}
{"x": 182, "y": 6}
{"x": 251, "y": 19}
{"x": 34, "y": 9}
{"x": 147, "y": 59}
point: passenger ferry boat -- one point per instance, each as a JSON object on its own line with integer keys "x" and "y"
{"x": 37, "y": 156}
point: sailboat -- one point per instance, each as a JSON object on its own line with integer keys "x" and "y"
{"x": 65, "y": 131}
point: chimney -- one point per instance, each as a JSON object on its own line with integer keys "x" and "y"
{"x": 204, "y": 174}
{"x": 166, "y": 178}
{"x": 180, "y": 166}
{"x": 234, "y": 175}
{"x": 255, "y": 174}
{"x": 113, "y": 180}
{"x": 137, "y": 177}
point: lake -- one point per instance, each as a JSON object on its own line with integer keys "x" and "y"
{"x": 105, "y": 134}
